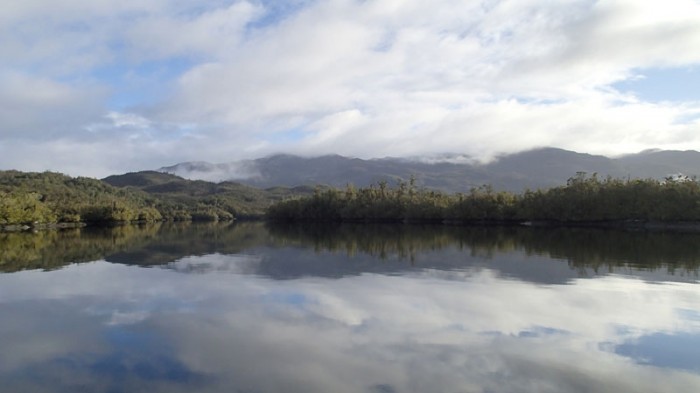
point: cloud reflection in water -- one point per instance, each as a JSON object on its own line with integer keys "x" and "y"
{"x": 108, "y": 327}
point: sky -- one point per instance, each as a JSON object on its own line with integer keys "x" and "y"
{"x": 99, "y": 87}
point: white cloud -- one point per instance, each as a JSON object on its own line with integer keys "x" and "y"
{"x": 128, "y": 120}
{"x": 91, "y": 155}
{"x": 352, "y": 77}
{"x": 213, "y": 32}
{"x": 33, "y": 107}
{"x": 430, "y": 77}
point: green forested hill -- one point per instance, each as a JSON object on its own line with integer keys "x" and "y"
{"x": 29, "y": 198}
{"x": 204, "y": 198}
{"x": 49, "y": 198}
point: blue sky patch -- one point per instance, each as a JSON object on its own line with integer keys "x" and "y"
{"x": 664, "y": 84}
{"x": 276, "y": 11}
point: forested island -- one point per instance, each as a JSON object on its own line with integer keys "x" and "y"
{"x": 35, "y": 200}
{"x": 584, "y": 200}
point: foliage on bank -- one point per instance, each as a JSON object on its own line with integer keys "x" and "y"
{"x": 39, "y": 199}
{"x": 583, "y": 199}
{"x": 48, "y": 198}
{"x": 51, "y": 198}
{"x": 183, "y": 199}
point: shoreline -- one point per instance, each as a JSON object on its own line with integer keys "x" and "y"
{"x": 629, "y": 225}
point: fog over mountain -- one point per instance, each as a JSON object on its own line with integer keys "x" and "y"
{"x": 539, "y": 168}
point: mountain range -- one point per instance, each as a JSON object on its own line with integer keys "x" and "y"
{"x": 539, "y": 168}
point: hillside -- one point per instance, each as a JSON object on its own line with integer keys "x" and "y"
{"x": 35, "y": 198}
{"x": 660, "y": 163}
{"x": 44, "y": 198}
{"x": 539, "y": 168}
{"x": 41, "y": 199}
{"x": 238, "y": 199}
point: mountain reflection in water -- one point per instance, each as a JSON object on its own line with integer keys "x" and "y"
{"x": 351, "y": 308}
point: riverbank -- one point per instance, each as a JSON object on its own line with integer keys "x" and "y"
{"x": 583, "y": 202}
{"x": 634, "y": 225}
{"x": 103, "y": 224}
{"x": 41, "y": 227}
{"x": 630, "y": 225}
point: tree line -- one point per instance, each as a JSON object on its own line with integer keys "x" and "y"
{"x": 584, "y": 199}
{"x": 36, "y": 199}
{"x": 48, "y": 198}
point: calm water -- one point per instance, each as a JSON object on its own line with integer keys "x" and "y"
{"x": 246, "y": 308}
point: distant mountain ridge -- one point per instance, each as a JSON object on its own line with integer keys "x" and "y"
{"x": 539, "y": 168}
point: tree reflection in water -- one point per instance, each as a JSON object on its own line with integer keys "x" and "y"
{"x": 588, "y": 251}
{"x": 373, "y": 308}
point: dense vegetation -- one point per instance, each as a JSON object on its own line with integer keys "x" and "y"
{"x": 36, "y": 199}
{"x": 43, "y": 198}
{"x": 182, "y": 199}
{"x": 584, "y": 199}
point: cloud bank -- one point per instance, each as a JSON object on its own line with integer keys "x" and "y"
{"x": 96, "y": 87}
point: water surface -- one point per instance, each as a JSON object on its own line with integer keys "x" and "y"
{"x": 250, "y": 308}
